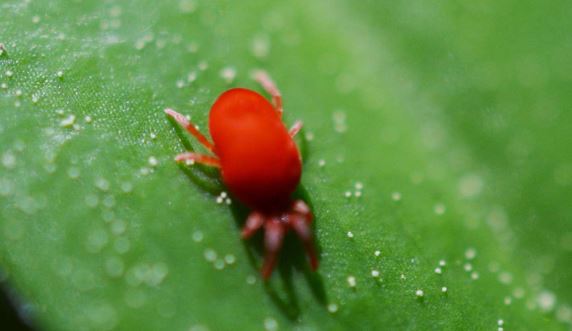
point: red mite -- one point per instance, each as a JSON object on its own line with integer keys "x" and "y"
{"x": 259, "y": 163}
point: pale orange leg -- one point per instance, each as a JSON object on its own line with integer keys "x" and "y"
{"x": 254, "y": 222}
{"x": 301, "y": 221}
{"x": 295, "y": 128}
{"x": 190, "y": 127}
{"x": 198, "y": 158}
{"x": 274, "y": 232}
{"x": 264, "y": 79}
{"x": 300, "y": 207}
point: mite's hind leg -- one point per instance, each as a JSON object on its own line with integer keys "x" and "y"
{"x": 264, "y": 79}
{"x": 301, "y": 222}
{"x": 190, "y": 127}
{"x": 274, "y": 232}
{"x": 192, "y": 158}
{"x": 300, "y": 207}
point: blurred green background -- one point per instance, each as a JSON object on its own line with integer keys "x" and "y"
{"x": 436, "y": 148}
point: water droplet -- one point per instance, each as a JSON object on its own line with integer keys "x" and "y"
{"x": 340, "y": 125}
{"x": 470, "y": 185}
{"x": 122, "y": 245}
{"x": 187, "y": 6}
{"x": 505, "y": 277}
{"x": 108, "y": 215}
{"x": 156, "y": 274}
{"x": 229, "y": 259}
{"x": 546, "y": 301}
{"x": 68, "y": 121}
{"x": 251, "y": 280}
{"x": 8, "y": 160}
{"x": 439, "y": 209}
{"x": 73, "y": 173}
{"x": 198, "y": 236}
{"x": 470, "y": 253}
{"x": 118, "y": 227}
{"x": 109, "y": 201}
{"x": 228, "y": 74}
{"x": 210, "y": 255}
{"x": 270, "y": 324}
{"x": 518, "y": 292}
{"x": 260, "y": 46}
{"x": 193, "y": 47}
{"x": 153, "y": 162}
{"x": 102, "y": 184}
{"x": 91, "y": 200}
{"x": 219, "y": 264}
{"x": 564, "y": 314}
{"x": 351, "y": 281}
{"x": 332, "y": 308}
{"x": 203, "y": 65}
{"x": 192, "y": 76}
{"x": 126, "y": 187}
{"x": 96, "y": 240}
{"x": 114, "y": 266}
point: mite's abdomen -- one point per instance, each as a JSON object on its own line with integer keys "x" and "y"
{"x": 260, "y": 162}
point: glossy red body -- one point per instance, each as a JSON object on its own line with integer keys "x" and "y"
{"x": 260, "y": 162}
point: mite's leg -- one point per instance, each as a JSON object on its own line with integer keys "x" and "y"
{"x": 301, "y": 226}
{"x": 190, "y": 127}
{"x": 295, "y": 128}
{"x": 300, "y": 207}
{"x": 273, "y": 237}
{"x": 264, "y": 79}
{"x": 198, "y": 158}
{"x": 254, "y": 221}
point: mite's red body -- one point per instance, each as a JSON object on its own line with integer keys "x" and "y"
{"x": 260, "y": 164}
{"x": 259, "y": 160}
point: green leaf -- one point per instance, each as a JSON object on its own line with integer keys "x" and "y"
{"x": 433, "y": 132}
